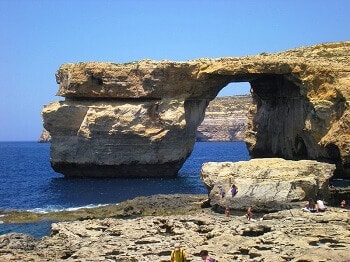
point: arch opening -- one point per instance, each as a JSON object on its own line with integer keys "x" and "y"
{"x": 220, "y": 136}
{"x": 276, "y": 118}
{"x": 235, "y": 89}
{"x": 226, "y": 116}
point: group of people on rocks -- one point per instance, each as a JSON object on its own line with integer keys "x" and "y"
{"x": 248, "y": 215}
{"x": 180, "y": 255}
{"x": 233, "y": 190}
{"x": 313, "y": 207}
{"x": 319, "y": 206}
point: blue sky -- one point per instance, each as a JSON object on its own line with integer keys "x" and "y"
{"x": 38, "y": 36}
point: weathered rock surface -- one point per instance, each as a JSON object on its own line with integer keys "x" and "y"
{"x": 132, "y": 139}
{"x": 268, "y": 184}
{"x": 17, "y": 241}
{"x": 226, "y": 119}
{"x": 290, "y": 235}
{"x": 140, "y": 119}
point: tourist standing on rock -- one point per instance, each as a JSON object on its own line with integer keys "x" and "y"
{"x": 178, "y": 254}
{"x": 222, "y": 191}
{"x": 249, "y": 213}
{"x": 204, "y": 254}
{"x": 343, "y": 204}
{"x": 227, "y": 211}
{"x": 234, "y": 190}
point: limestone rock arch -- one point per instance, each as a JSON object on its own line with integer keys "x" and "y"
{"x": 139, "y": 119}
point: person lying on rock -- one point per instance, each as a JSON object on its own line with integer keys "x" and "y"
{"x": 310, "y": 206}
{"x": 178, "y": 254}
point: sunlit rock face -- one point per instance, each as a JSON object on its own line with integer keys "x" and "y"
{"x": 267, "y": 184}
{"x": 139, "y": 119}
{"x": 226, "y": 119}
{"x": 124, "y": 139}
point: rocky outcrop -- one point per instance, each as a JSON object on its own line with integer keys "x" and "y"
{"x": 130, "y": 139}
{"x": 267, "y": 185}
{"x": 290, "y": 235}
{"x": 156, "y": 205}
{"x": 226, "y": 119}
{"x": 139, "y": 119}
{"x": 45, "y": 137}
{"x": 17, "y": 241}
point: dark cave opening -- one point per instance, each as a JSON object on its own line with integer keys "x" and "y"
{"x": 300, "y": 148}
{"x": 280, "y": 118}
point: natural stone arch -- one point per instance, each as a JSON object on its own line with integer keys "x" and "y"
{"x": 278, "y": 123}
{"x": 139, "y": 119}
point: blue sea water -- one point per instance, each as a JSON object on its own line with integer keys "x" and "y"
{"x": 27, "y": 181}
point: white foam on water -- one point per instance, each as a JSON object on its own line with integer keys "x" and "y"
{"x": 50, "y": 209}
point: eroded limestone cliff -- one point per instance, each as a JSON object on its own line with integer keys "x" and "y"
{"x": 139, "y": 119}
{"x": 226, "y": 119}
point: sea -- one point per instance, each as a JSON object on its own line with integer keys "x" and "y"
{"x": 28, "y": 183}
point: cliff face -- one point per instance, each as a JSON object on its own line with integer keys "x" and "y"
{"x": 140, "y": 119}
{"x": 226, "y": 119}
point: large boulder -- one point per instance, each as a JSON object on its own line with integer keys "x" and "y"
{"x": 268, "y": 184}
{"x": 139, "y": 119}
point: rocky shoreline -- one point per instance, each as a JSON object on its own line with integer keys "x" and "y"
{"x": 146, "y": 228}
{"x": 156, "y": 205}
